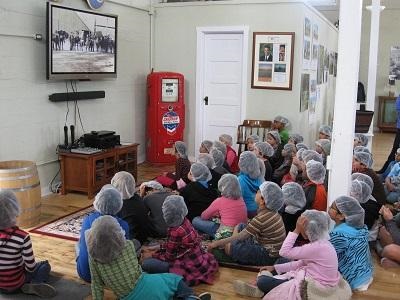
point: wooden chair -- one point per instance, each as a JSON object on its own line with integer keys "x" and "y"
{"x": 249, "y": 127}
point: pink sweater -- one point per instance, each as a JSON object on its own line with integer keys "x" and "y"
{"x": 231, "y": 211}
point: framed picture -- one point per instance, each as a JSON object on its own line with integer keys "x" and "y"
{"x": 272, "y": 60}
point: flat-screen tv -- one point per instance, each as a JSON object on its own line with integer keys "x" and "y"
{"x": 80, "y": 44}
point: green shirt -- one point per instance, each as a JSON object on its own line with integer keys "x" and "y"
{"x": 120, "y": 275}
{"x": 284, "y": 134}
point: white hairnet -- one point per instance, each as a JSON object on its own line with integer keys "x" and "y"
{"x": 325, "y": 144}
{"x": 275, "y": 135}
{"x": 105, "y": 240}
{"x": 361, "y": 149}
{"x": 299, "y": 153}
{"x": 281, "y": 119}
{"x": 207, "y": 160}
{"x": 9, "y": 209}
{"x": 261, "y": 167}
{"x": 248, "y": 164}
{"x": 325, "y": 129}
{"x": 265, "y": 149}
{"x": 315, "y": 171}
{"x": 293, "y": 196}
{"x": 308, "y": 155}
{"x": 361, "y": 138}
{"x": 296, "y": 138}
{"x": 229, "y": 186}
{"x": 364, "y": 158}
{"x": 207, "y": 144}
{"x": 221, "y": 147}
{"x": 125, "y": 183}
{"x": 317, "y": 226}
{"x": 301, "y": 146}
{"x": 200, "y": 172}
{"x": 174, "y": 210}
{"x": 360, "y": 190}
{"x": 108, "y": 201}
{"x": 155, "y": 185}
{"x": 288, "y": 150}
{"x": 364, "y": 178}
{"x": 272, "y": 195}
{"x": 254, "y": 137}
{"x": 352, "y": 211}
{"x": 180, "y": 147}
{"x": 225, "y": 138}
{"x": 218, "y": 157}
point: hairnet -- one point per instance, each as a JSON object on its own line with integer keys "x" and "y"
{"x": 308, "y": 155}
{"x": 207, "y": 144}
{"x": 261, "y": 167}
{"x": 360, "y": 190}
{"x": 226, "y": 138}
{"x": 248, "y": 164}
{"x": 364, "y": 158}
{"x": 361, "y": 149}
{"x": 301, "y": 146}
{"x": 272, "y": 195}
{"x": 207, "y": 160}
{"x": 352, "y": 211}
{"x": 254, "y": 137}
{"x": 265, "y": 149}
{"x": 108, "y": 201}
{"x": 221, "y": 147}
{"x": 325, "y": 144}
{"x": 299, "y": 154}
{"x": 281, "y": 119}
{"x": 288, "y": 150}
{"x": 218, "y": 157}
{"x": 229, "y": 186}
{"x": 275, "y": 135}
{"x": 181, "y": 149}
{"x": 293, "y": 196}
{"x": 174, "y": 210}
{"x": 317, "y": 225}
{"x": 364, "y": 178}
{"x": 315, "y": 171}
{"x": 200, "y": 172}
{"x": 125, "y": 183}
{"x": 9, "y": 209}
{"x": 105, "y": 240}
{"x": 361, "y": 138}
{"x": 296, "y": 138}
{"x": 325, "y": 129}
{"x": 155, "y": 185}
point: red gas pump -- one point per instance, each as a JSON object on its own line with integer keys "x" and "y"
{"x": 165, "y": 115}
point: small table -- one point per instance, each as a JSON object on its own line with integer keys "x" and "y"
{"x": 387, "y": 114}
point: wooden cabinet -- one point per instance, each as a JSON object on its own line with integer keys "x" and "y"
{"x": 89, "y": 172}
{"x": 387, "y": 114}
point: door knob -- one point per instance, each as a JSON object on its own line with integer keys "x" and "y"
{"x": 206, "y": 100}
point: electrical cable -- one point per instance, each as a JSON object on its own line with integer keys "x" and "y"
{"x": 66, "y": 115}
{"x": 51, "y": 182}
{"x": 77, "y": 106}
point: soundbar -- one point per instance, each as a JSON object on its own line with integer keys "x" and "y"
{"x": 58, "y": 97}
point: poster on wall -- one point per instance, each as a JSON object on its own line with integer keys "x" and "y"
{"x": 314, "y": 57}
{"x": 331, "y": 62}
{"x": 272, "y": 60}
{"x": 305, "y": 91}
{"x": 326, "y": 65}
{"x": 394, "y": 67}
{"x": 312, "y": 102}
{"x": 320, "y": 68}
{"x": 315, "y": 32}
{"x": 307, "y": 44}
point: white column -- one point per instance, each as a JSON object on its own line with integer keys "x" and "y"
{"x": 340, "y": 161}
{"x": 375, "y": 10}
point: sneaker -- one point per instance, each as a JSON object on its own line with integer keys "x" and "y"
{"x": 247, "y": 289}
{"x": 205, "y": 296}
{"x": 43, "y": 290}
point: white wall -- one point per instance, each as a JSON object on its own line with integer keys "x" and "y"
{"x": 31, "y": 125}
{"x": 175, "y": 50}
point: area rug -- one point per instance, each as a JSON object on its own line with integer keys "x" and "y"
{"x": 67, "y": 227}
{"x": 66, "y": 289}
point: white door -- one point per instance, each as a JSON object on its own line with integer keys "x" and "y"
{"x": 221, "y": 85}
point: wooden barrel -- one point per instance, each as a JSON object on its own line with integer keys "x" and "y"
{"x": 22, "y": 178}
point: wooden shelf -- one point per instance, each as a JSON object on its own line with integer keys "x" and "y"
{"x": 88, "y": 173}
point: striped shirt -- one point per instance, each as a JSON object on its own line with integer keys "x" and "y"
{"x": 16, "y": 256}
{"x": 268, "y": 230}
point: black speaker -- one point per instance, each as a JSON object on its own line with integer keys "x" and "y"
{"x": 58, "y": 97}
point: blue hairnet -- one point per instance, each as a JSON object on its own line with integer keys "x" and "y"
{"x": 200, "y": 172}
{"x": 364, "y": 178}
{"x": 174, "y": 210}
{"x": 315, "y": 171}
{"x": 361, "y": 149}
{"x": 125, "y": 183}
{"x": 9, "y": 209}
{"x": 181, "y": 149}
{"x": 108, "y": 201}
{"x": 275, "y": 135}
{"x": 325, "y": 144}
{"x": 248, "y": 164}
{"x": 229, "y": 186}
{"x": 272, "y": 195}
{"x": 361, "y": 138}
{"x": 352, "y": 211}
{"x": 364, "y": 158}
{"x": 325, "y": 129}
{"x": 296, "y": 138}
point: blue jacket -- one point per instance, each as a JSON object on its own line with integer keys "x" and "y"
{"x": 82, "y": 261}
{"x": 249, "y": 188}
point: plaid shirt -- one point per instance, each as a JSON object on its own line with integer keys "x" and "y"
{"x": 120, "y": 275}
{"x": 186, "y": 257}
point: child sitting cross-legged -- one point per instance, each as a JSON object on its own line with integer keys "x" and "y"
{"x": 258, "y": 242}
{"x": 313, "y": 265}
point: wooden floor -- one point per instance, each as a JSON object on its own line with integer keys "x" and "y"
{"x": 61, "y": 254}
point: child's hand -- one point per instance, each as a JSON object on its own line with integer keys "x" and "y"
{"x": 268, "y": 268}
{"x": 386, "y": 213}
{"x": 211, "y": 246}
{"x": 300, "y": 224}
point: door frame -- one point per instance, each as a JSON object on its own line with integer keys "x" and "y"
{"x": 200, "y": 63}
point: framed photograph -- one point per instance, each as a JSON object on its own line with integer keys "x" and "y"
{"x": 272, "y": 60}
